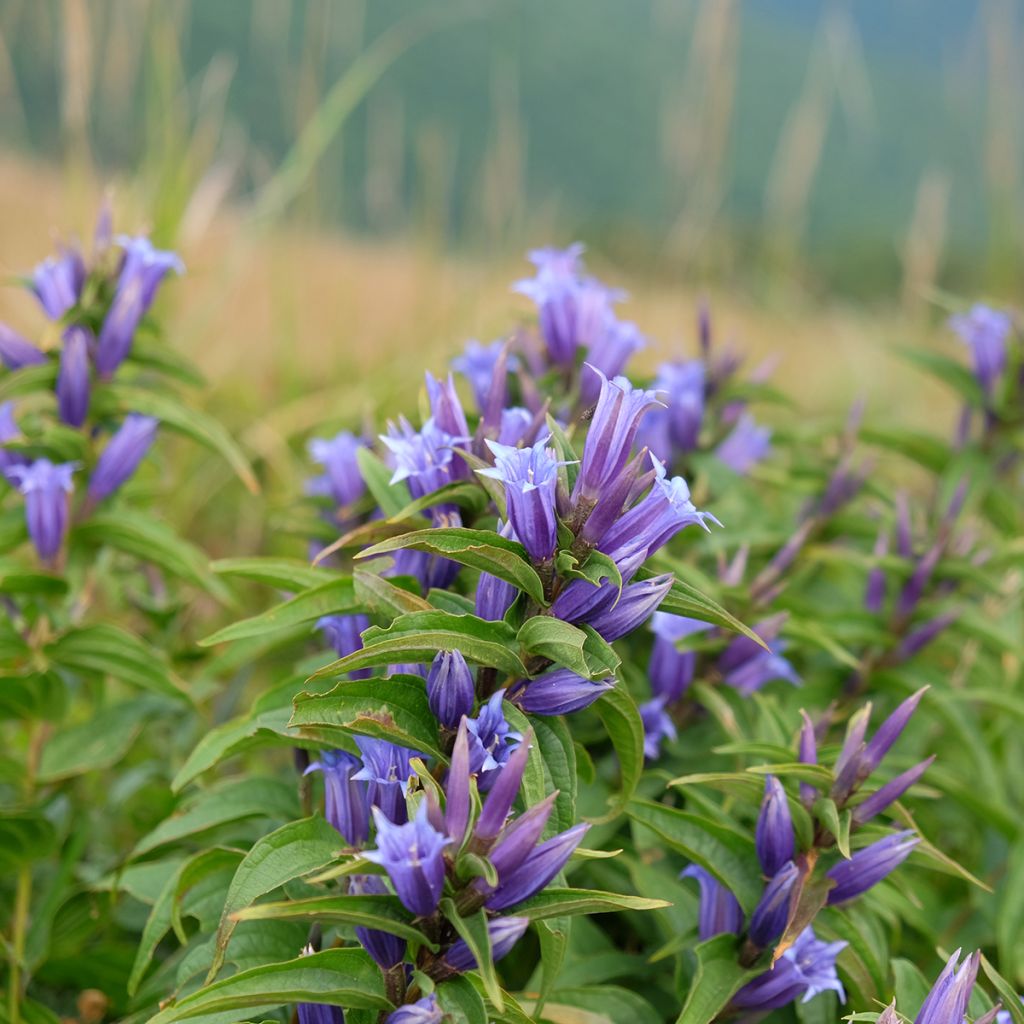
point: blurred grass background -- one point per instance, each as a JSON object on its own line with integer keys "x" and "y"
{"x": 353, "y": 183}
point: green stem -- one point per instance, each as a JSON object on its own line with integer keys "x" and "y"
{"x": 22, "y": 899}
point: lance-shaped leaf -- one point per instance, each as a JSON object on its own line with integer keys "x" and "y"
{"x": 392, "y": 497}
{"x": 336, "y": 596}
{"x": 385, "y": 913}
{"x": 287, "y": 573}
{"x": 292, "y": 850}
{"x": 582, "y": 651}
{"x": 336, "y": 977}
{"x": 480, "y": 549}
{"x": 418, "y": 636}
{"x": 551, "y": 903}
{"x": 382, "y": 597}
{"x": 717, "y": 979}
{"x": 625, "y": 729}
{"x": 461, "y": 1002}
{"x": 394, "y": 709}
{"x": 473, "y": 931}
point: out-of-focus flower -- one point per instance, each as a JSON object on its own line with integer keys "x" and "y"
{"x": 774, "y": 834}
{"x": 342, "y": 479}
{"x": 986, "y": 332}
{"x": 671, "y": 670}
{"x": 746, "y": 666}
{"x": 73, "y": 383}
{"x": 874, "y": 592}
{"x": 121, "y": 457}
{"x": 658, "y": 726}
{"x": 869, "y": 866}
{"x": 413, "y": 856}
{"x": 558, "y": 692}
{"x": 673, "y": 431}
{"x": 803, "y": 971}
{"x": 343, "y": 633}
{"x": 46, "y": 486}
{"x": 346, "y": 805}
{"x": 425, "y": 457}
{"x": 807, "y": 754}
{"x": 16, "y": 351}
{"x": 8, "y": 432}
{"x": 719, "y": 910}
{"x": 747, "y": 445}
{"x": 57, "y": 282}
{"x": 450, "y": 689}
{"x": 616, "y": 341}
{"x": 504, "y": 933}
{"x": 477, "y": 364}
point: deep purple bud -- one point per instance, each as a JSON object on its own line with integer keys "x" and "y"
{"x": 683, "y": 384}
{"x": 521, "y": 835}
{"x": 986, "y": 332}
{"x": 536, "y": 869}
{"x": 450, "y": 688}
{"x": 918, "y": 639}
{"x": 73, "y": 378}
{"x": 386, "y": 949}
{"x": 122, "y": 455}
{"x": 423, "y": 1011}
{"x": 16, "y": 351}
{"x": 342, "y": 479}
{"x": 609, "y": 442}
{"x": 869, "y": 866}
{"x": 530, "y": 476}
{"x": 913, "y": 589}
{"x": 413, "y": 856}
{"x": 947, "y": 1001}
{"x": 57, "y": 282}
{"x": 807, "y": 754}
{"x": 46, "y": 487}
{"x": 319, "y": 1013}
{"x": 344, "y": 634}
{"x": 502, "y": 795}
{"x": 636, "y": 605}
{"x": 874, "y": 593}
{"x": 504, "y": 933}
{"x": 386, "y": 767}
{"x": 774, "y": 835}
{"x": 747, "y": 445}
{"x": 769, "y": 919}
{"x": 803, "y": 971}
{"x": 880, "y": 800}
{"x": 346, "y": 805}
{"x": 889, "y": 732}
{"x": 658, "y": 726}
{"x": 558, "y": 692}
{"x": 719, "y": 910}
{"x": 616, "y": 341}
{"x": 457, "y": 788}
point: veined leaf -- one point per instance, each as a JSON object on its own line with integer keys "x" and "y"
{"x": 392, "y": 497}
{"x": 717, "y": 979}
{"x": 553, "y": 902}
{"x": 473, "y": 931}
{"x": 621, "y": 718}
{"x": 286, "y": 573}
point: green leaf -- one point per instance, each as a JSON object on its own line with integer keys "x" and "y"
{"x": 230, "y": 801}
{"x": 393, "y": 709}
{"x": 150, "y": 540}
{"x": 382, "y": 597}
{"x": 15, "y": 580}
{"x": 1008, "y": 994}
{"x": 286, "y": 573}
{"x": 684, "y": 599}
{"x": 392, "y": 497}
{"x": 553, "y": 936}
{"x": 838, "y": 826}
{"x": 385, "y": 913}
{"x": 553, "y": 902}
{"x": 1010, "y": 917}
{"x": 621, "y": 718}
{"x": 336, "y": 977}
{"x": 560, "y": 642}
{"x": 334, "y": 597}
{"x": 952, "y": 373}
{"x": 109, "y": 650}
{"x": 40, "y": 377}
{"x": 36, "y": 695}
{"x": 554, "y": 743}
{"x": 461, "y": 1002}
{"x": 485, "y": 550}
{"x": 295, "y": 849}
{"x": 466, "y": 494}
{"x": 717, "y": 979}
{"x": 25, "y": 838}
{"x": 418, "y": 636}
{"x": 473, "y": 931}
{"x": 190, "y": 421}
{"x": 725, "y": 852}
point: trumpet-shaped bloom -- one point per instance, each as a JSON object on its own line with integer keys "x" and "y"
{"x": 423, "y": 1011}
{"x": 986, "y": 332}
{"x": 57, "y": 282}
{"x": 121, "y": 457}
{"x": 806, "y": 969}
{"x": 477, "y": 364}
{"x": 719, "y": 910}
{"x": 386, "y": 949}
{"x": 387, "y": 770}
{"x": 635, "y": 606}
{"x": 342, "y": 478}
{"x": 46, "y": 487}
{"x": 947, "y": 1001}
{"x": 747, "y": 445}
{"x": 669, "y": 669}
{"x": 491, "y": 741}
{"x": 768, "y": 921}
{"x": 73, "y": 384}
{"x": 658, "y": 726}
{"x": 16, "y": 351}
{"x": 346, "y": 803}
{"x": 616, "y": 341}
{"x": 413, "y": 856}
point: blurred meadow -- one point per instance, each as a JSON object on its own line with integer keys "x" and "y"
{"x": 351, "y": 183}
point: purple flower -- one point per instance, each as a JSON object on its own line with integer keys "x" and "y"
{"x": 870, "y": 865}
{"x": 413, "y": 856}
{"x": 616, "y": 341}
{"x": 658, "y": 726}
{"x": 535, "y": 870}
{"x": 807, "y": 754}
{"x": 122, "y": 455}
{"x": 342, "y": 479}
{"x": 143, "y": 269}
{"x": 502, "y": 795}
{"x": 634, "y": 607}
{"x": 530, "y": 476}
{"x": 746, "y": 666}
{"x": 806, "y": 969}
{"x": 769, "y": 919}
{"x": 559, "y": 692}
{"x": 609, "y": 442}
{"x": 986, "y": 332}
{"x": 892, "y": 790}
{"x": 747, "y": 445}
{"x": 683, "y": 384}
{"x": 423, "y": 1011}
{"x": 446, "y": 408}
{"x": 719, "y": 910}
{"x": 517, "y": 424}
{"x": 657, "y": 518}
{"x": 46, "y": 487}
{"x": 477, "y": 364}
{"x": 504, "y": 933}
{"x": 319, "y": 1013}
{"x": 8, "y": 432}
{"x": 774, "y": 833}
{"x": 491, "y": 741}
{"x": 520, "y": 836}
{"x": 57, "y": 282}
{"x": 346, "y": 805}
{"x": 386, "y": 767}
{"x": 450, "y": 688}
{"x": 494, "y": 597}
{"x": 425, "y": 458}
{"x": 386, "y": 949}
{"x": 947, "y": 1001}
{"x": 921, "y": 636}
{"x": 874, "y": 592}
{"x": 671, "y": 670}
{"x": 343, "y": 633}
{"x": 16, "y": 351}
{"x": 73, "y": 378}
